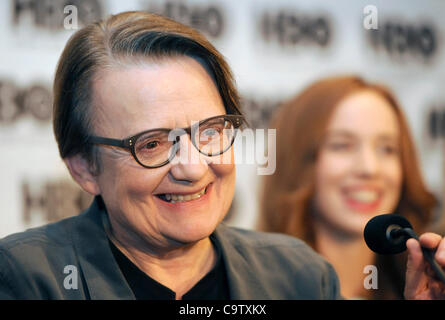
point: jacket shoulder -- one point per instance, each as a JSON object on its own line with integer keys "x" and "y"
{"x": 32, "y": 263}
{"x": 285, "y": 263}
{"x": 56, "y": 233}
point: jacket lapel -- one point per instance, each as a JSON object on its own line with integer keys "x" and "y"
{"x": 102, "y": 275}
{"x": 244, "y": 280}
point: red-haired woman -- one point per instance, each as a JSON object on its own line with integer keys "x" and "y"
{"x": 344, "y": 155}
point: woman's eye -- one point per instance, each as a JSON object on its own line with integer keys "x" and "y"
{"x": 390, "y": 150}
{"x": 151, "y": 145}
{"x": 210, "y": 132}
{"x": 339, "y": 146}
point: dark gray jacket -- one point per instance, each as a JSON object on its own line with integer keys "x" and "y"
{"x": 45, "y": 262}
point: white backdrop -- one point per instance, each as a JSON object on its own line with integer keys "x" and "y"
{"x": 275, "y": 48}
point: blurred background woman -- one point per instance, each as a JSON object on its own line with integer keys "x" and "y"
{"x": 344, "y": 155}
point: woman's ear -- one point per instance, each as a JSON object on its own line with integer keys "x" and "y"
{"x": 82, "y": 173}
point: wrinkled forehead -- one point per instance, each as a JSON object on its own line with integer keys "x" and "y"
{"x": 170, "y": 93}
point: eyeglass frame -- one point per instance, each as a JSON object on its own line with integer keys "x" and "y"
{"x": 129, "y": 143}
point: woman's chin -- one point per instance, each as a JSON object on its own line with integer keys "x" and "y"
{"x": 190, "y": 234}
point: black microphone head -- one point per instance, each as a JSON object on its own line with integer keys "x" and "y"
{"x": 377, "y": 234}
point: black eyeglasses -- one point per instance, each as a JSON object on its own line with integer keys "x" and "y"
{"x": 156, "y": 147}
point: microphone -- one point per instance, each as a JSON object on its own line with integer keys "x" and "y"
{"x": 388, "y": 233}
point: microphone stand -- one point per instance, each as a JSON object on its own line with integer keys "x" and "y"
{"x": 427, "y": 253}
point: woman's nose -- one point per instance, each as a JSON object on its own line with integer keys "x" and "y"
{"x": 367, "y": 162}
{"x": 188, "y": 164}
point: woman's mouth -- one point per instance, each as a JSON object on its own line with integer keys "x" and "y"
{"x": 363, "y": 200}
{"x": 364, "y": 196}
{"x": 174, "y": 198}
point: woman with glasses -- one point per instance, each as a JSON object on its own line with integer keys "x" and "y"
{"x": 145, "y": 114}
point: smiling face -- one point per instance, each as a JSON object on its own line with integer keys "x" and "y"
{"x": 358, "y": 170}
{"x": 166, "y": 94}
